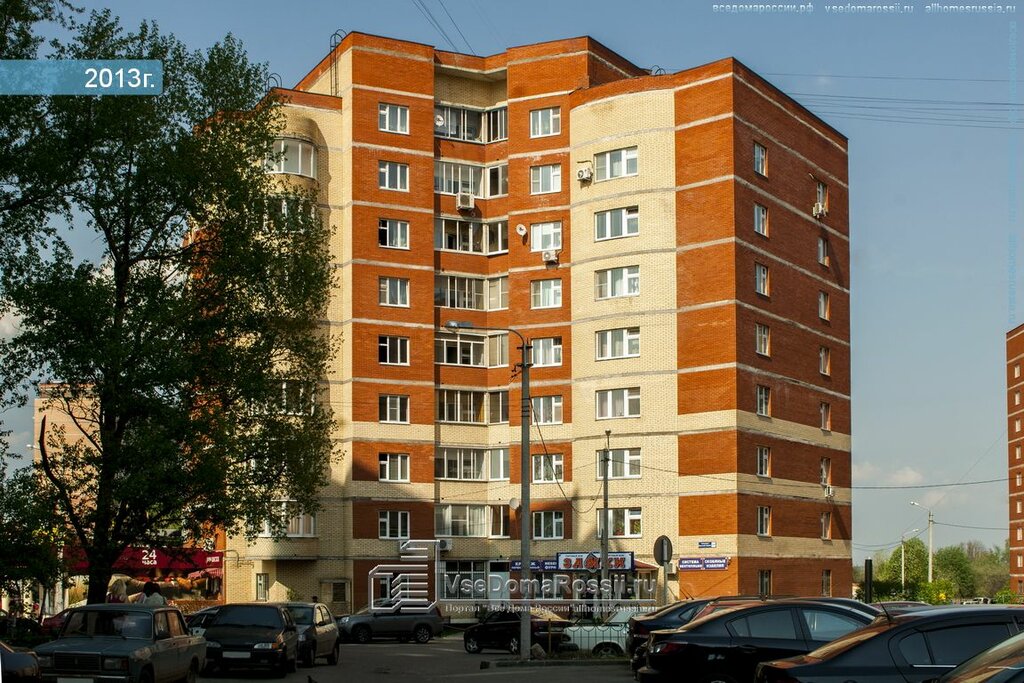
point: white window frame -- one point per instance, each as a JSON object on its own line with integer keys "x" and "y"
{"x": 628, "y": 515}
{"x": 826, "y": 416}
{"x": 546, "y": 293}
{"x": 451, "y": 178}
{"x": 461, "y": 406}
{"x": 262, "y": 587}
{"x": 458, "y": 291}
{"x": 761, "y": 219}
{"x": 548, "y": 468}
{"x": 393, "y": 118}
{"x": 298, "y": 525}
{"x": 497, "y": 350}
{"x": 825, "y": 471}
{"x": 392, "y": 233}
{"x": 394, "y": 348}
{"x": 824, "y": 306}
{"x": 501, "y": 515}
{"x": 393, "y": 467}
{"x": 546, "y": 410}
{"x": 497, "y": 402}
{"x": 616, "y": 283}
{"x": 764, "y": 520}
{"x": 546, "y": 236}
{"x": 826, "y": 526}
{"x": 762, "y": 339}
{"x": 497, "y": 180}
{"x": 547, "y": 352}
{"x": 763, "y": 456}
{"x": 456, "y": 123}
{"x": 622, "y": 337}
{"x": 393, "y": 291}
{"x": 474, "y": 517}
{"x": 460, "y": 464}
{"x": 497, "y": 294}
{"x": 496, "y": 237}
{"x": 825, "y": 361}
{"x": 395, "y": 408}
{"x": 546, "y": 179}
{"x": 462, "y": 349}
{"x": 393, "y": 175}
{"x": 557, "y": 524}
{"x": 821, "y": 194}
{"x": 607, "y": 163}
{"x": 545, "y": 122}
{"x": 763, "y": 400}
{"x": 764, "y": 581}
{"x": 606, "y": 399}
{"x": 824, "y": 255}
{"x": 760, "y": 159}
{"x": 626, "y": 460}
{"x": 305, "y": 163}
{"x": 392, "y": 524}
{"x": 616, "y": 223}
{"x": 497, "y": 124}
{"x": 452, "y": 234}
{"x": 762, "y": 279}
{"x": 499, "y": 457}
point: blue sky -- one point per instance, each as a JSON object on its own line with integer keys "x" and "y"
{"x": 935, "y": 209}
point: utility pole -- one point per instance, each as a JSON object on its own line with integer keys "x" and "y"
{"x": 931, "y": 523}
{"x": 606, "y": 523}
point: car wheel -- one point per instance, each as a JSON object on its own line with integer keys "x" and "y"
{"x": 193, "y": 671}
{"x": 209, "y": 668}
{"x": 513, "y": 645}
{"x": 361, "y": 634}
{"x": 422, "y": 634}
{"x": 292, "y": 665}
{"x": 607, "y": 650}
{"x": 309, "y": 656}
{"x": 333, "y": 657}
{"x": 471, "y": 645}
{"x": 146, "y": 676}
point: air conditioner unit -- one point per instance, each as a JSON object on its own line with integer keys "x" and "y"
{"x": 830, "y": 492}
{"x": 819, "y": 210}
{"x": 550, "y": 256}
{"x": 464, "y": 201}
{"x": 585, "y": 173}
{"x": 444, "y": 545}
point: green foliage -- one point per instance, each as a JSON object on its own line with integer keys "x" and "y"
{"x": 1005, "y": 596}
{"x": 952, "y": 565}
{"x": 961, "y": 572}
{"x": 184, "y": 349}
{"x": 31, "y": 532}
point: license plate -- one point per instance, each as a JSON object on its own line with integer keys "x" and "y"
{"x": 74, "y": 680}
{"x": 229, "y": 655}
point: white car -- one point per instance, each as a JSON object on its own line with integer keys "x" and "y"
{"x": 604, "y": 639}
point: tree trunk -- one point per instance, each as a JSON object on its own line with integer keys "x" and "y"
{"x": 99, "y": 578}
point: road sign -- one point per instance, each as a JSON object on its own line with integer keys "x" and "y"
{"x": 663, "y": 550}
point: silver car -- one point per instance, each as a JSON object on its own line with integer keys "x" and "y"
{"x": 390, "y": 621}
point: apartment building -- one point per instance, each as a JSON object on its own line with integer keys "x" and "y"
{"x": 1015, "y": 465}
{"x": 674, "y": 247}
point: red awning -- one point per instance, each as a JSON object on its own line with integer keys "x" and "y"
{"x": 141, "y": 560}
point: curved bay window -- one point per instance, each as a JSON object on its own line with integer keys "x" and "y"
{"x": 293, "y": 156}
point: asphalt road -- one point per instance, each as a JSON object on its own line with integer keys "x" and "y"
{"x": 442, "y": 660}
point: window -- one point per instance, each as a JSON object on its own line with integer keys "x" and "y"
{"x": 497, "y": 124}
{"x": 394, "y": 291}
{"x": 547, "y": 410}
{"x": 393, "y": 234}
{"x": 457, "y": 123}
{"x": 460, "y": 406}
{"x": 393, "y": 118}
{"x": 547, "y": 468}
{"x": 547, "y": 351}
{"x": 1016, "y": 371}
{"x": 297, "y": 524}
{"x": 761, "y": 219}
{"x": 622, "y": 342}
{"x": 546, "y": 293}
{"x": 392, "y": 175}
{"x": 821, "y": 195}
{"x": 544, "y": 236}
{"x": 475, "y": 571}
{"x": 760, "y": 159}
{"x": 262, "y": 587}
{"x": 826, "y": 416}
{"x": 452, "y": 178}
{"x": 497, "y": 180}
{"x": 1016, "y": 425}
{"x": 617, "y": 223}
{"x": 623, "y": 463}
{"x": 1019, "y": 478}
{"x": 497, "y": 350}
{"x": 393, "y": 466}
{"x": 545, "y": 179}
{"x": 497, "y": 294}
{"x": 764, "y": 521}
{"x": 545, "y": 122}
{"x": 392, "y": 350}
{"x": 1016, "y": 398}
{"x": 460, "y": 463}
{"x": 622, "y": 522}
{"x": 393, "y": 408}
{"x": 500, "y": 526}
{"x": 297, "y": 157}
{"x": 498, "y": 464}
{"x": 616, "y": 282}
{"x": 460, "y": 350}
{"x": 826, "y": 590}
{"x": 826, "y": 525}
{"x": 393, "y": 524}
{"x": 548, "y": 524}
{"x": 764, "y": 461}
{"x": 1019, "y": 507}
{"x": 615, "y": 164}
{"x": 825, "y": 471}
{"x": 613, "y": 403}
{"x": 460, "y": 520}
{"x": 762, "y": 339}
{"x": 1020, "y": 533}
{"x": 497, "y": 402}
{"x": 764, "y": 400}
{"x": 339, "y": 591}
{"x": 288, "y": 214}
{"x": 455, "y": 235}
{"x": 1016, "y": 452}
{"x": 296, "y": 398}
{"x": 496, "y": 237}
{"x": 824, "y": 360}
{"x": 824, "y": 311}
{"x": 761, "y": 279}
{"x": 824, "y": 253}
{"x": 453, "y": 291}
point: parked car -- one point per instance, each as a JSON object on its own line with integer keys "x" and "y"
{"x": 197, "y": 622}
{"x": 318, "y": 632}
{"x": 253, "y": 635}
{"x": 905, "y": 648}
{"x": 603, "y": 639}
{"x": 728, "y": 645}
{"x": 1001, "y": 663}
{"x": 51, "y": 625}
{"x": 18, "y": 667}
{"x": 388, "y": 620}
{"x": 499, "y": 630}
{"x": 671, "y": 616}
{"x": 122, "y": 642}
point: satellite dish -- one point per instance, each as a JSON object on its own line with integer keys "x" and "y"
{"x": 513, "y": 503}
{"x": 439, "y": 120}
{"x": 521, "y": 230}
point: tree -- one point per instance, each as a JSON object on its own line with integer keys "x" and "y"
{"x": 186, "y": 356}
{"x": 953, "y": 565}
{"x": 30, "y": 532}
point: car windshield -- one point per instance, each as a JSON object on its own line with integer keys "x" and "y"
{"x": 249, "y": 615}
{"x": 996, "y": 664}
{"x": 125, "y": 624}
{"x": 301, "y": 614}
{"x": 850, "y": 640}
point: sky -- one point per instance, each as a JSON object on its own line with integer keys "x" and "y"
{"x": 930, "y": 102}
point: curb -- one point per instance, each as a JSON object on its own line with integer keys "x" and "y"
{"x": 505, "y": 663}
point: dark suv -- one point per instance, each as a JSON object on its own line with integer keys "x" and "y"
{"x": 318, "y": 632}
{"x": 500, "y": 630}
{"x": 252, "y": 635}
{"x": 387, "y": 620}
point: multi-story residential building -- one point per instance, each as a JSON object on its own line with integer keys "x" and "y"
{"x": 1015, "y": 464}
{"x": 676, "y": 249}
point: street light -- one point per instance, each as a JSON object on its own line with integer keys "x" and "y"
{"x": 931, "y": 523}
{"x": 903, "y": 559}
{"x": 524, "y": 475}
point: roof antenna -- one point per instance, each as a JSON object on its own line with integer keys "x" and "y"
{"x": 888, "y": 617}
{"x": 273, "y": 81}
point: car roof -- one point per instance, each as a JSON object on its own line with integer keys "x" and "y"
{"x": 122, "y": 607}
{"x": 939, "y": 612}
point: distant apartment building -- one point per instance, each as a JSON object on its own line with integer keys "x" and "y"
{"x": 1015, "y": 464}
{"x": 676, "y": 249}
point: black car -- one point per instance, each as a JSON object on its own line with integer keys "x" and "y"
{"x": 500, "y": 631}
{"x": 198, "y": 621}
{"x": 728, "y": 645}
{"x": 252, "y": 635}
{"x": 671, "y": 616}
{"x": 905, "y": 648}
{"x": 390, "y": 620}
{"x": 318, "y": 632}
{"x": 18, "y": 667}
{"x": 1002, "y": 663}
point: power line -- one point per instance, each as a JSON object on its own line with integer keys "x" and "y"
{"x": 456, "y": 25}
{"x": 964, "y": 526}
{"x": 898, "y": 78}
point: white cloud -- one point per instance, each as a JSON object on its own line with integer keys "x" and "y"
{"x": 864, "y": 472}
{"x": 9, "y": 325}
{"x": 905, "y": 476}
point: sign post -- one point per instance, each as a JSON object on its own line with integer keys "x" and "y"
{"x": 663, "y": 556}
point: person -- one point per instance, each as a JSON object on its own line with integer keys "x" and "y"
{"x": 315, "y": 599}
{"x": 152, "y": 593}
